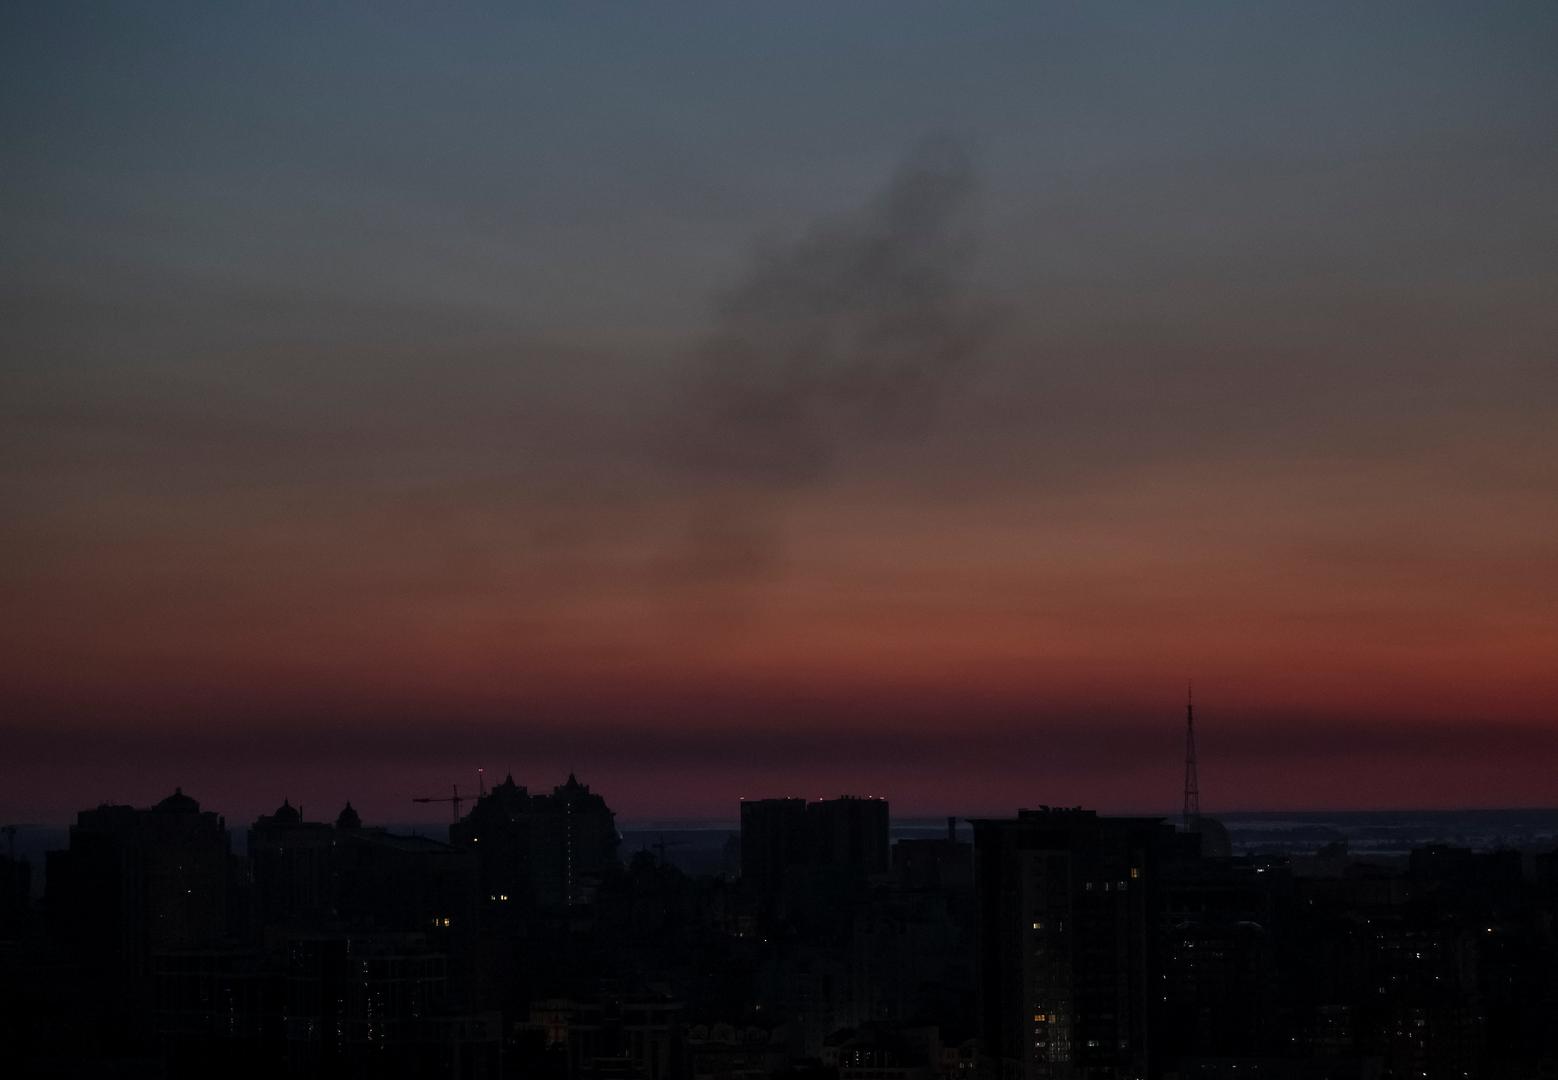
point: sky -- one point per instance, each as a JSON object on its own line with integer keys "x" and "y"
{"x": 732, "y": 400}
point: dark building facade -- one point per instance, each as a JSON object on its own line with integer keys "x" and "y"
{"x": 1219, "y": 959}
{"x": 773, "y": 840}
{"x": 134, "y": 883}
{"x": 1067, "y": 932}
{"x": 312, "y": 875}
{"x": 574, "y": 844}
{"x": 944, "y": 864}
{"x": 846, "y": 837}
{"x": 849, "y": 833}
{"x": 293, "y": 868}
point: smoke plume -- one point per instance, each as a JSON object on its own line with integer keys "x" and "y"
{"x": 855, "y": 330}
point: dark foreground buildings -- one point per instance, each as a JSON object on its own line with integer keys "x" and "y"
{"x": 1114, "y": 948}
{"x": 328, "y": 950}
{"x": 1059, "y": 944}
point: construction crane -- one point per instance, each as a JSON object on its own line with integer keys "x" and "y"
{"x": 453, "y": 798}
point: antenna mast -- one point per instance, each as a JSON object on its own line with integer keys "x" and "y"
{"x": 1192, "y": 809}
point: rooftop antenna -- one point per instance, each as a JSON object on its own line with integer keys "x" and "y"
{"x": 481, "y": 781}
{"x": 1192, "y": 810}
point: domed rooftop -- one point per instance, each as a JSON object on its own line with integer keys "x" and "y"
{"x": 178, "y": 803}
{"x": 348, "y": 818}
{"x": 286, "y": 814}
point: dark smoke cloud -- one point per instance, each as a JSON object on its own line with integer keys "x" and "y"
{"x": 855, "y": 330}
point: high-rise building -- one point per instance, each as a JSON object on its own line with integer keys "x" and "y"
{"x": 773, "y": 840}
{"x": 1066, "y": 942}
{"x": 292, "y": 866}
{"x": 574, "y": 844}
{"x": 541, "y": 851}
{"x": 846, "y": 837}
{"x": 849, "y": 833}
{"x": 314, "y": 875}
{"x": 137, "y": 882}
{"x": 1219, "y": 974}
{"x": 498, "y": 829}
